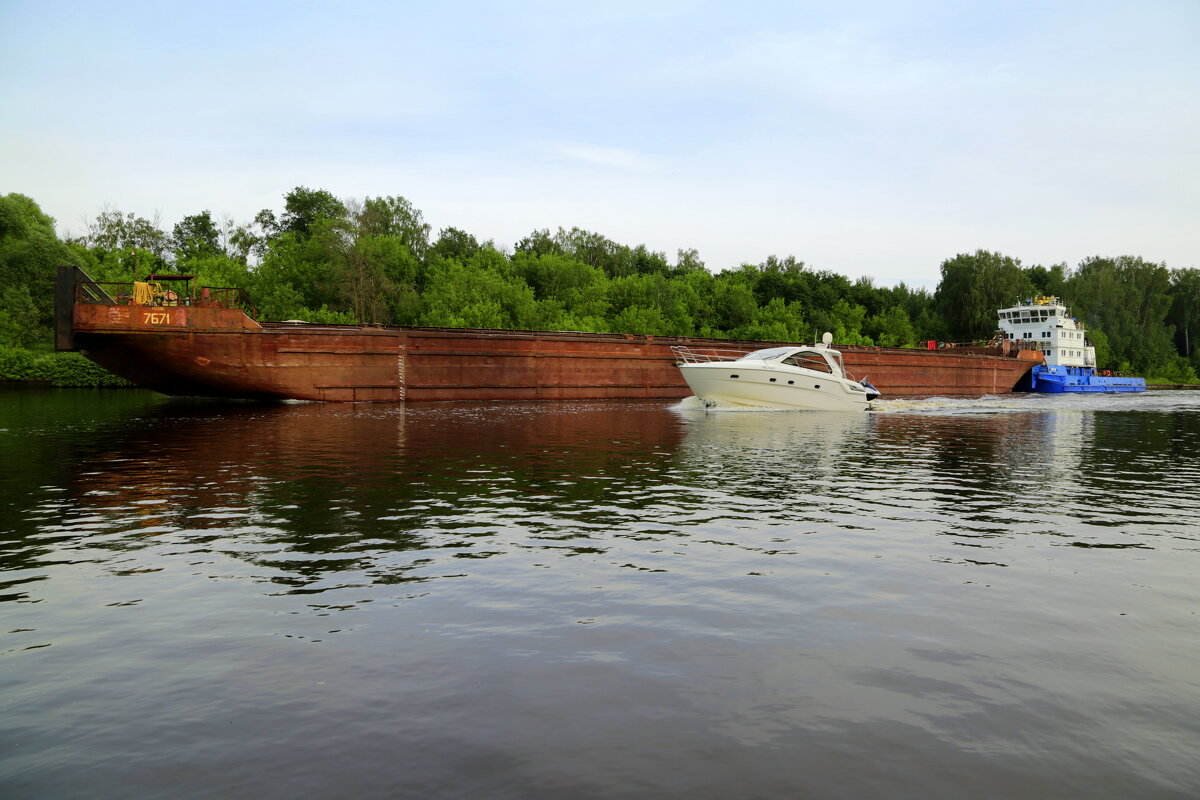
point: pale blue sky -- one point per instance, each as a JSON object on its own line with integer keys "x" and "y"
{"x": 867, "y": 138}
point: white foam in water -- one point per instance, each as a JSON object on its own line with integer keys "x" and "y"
{"x": 990, "y": 404}
{"x": 986, "y": 403}
{"x": 694, "y": 403}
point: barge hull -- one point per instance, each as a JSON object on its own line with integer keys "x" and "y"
{"x": 199, "y": 349}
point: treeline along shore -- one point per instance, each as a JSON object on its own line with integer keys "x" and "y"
{"x": 322, "y": 259}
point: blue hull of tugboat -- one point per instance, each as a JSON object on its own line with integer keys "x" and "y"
{"x": 1062, "y": 380}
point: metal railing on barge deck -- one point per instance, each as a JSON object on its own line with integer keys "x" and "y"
{"x": 74, "y": 287}
{"x": 153, "y": 293}
{"x": 993, "y": 346}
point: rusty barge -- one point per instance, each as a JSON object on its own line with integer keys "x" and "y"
{"x": 164, "y": 335}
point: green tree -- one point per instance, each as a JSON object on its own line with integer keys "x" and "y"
{"x": 973, "y": 287}
{"x": 219, "y": 271}
{"x": 615, "y": 259}
{"x": 644, "y": 261}
{"x": 124, "y": 247}
{"x": 456, "y": 244}
{"x": 484, "y": 292}
{"x": 112, "y": 231}
{"x": 539, "y": 243}
{"x": 1184, "y": 315}
{"x": 891, "y": 327}
{"x": 652, "y": 292}
{"x": 1104, "y": 353}
{"x": 303, "y": 208}
{"x": 1050, "y": 281}
{"x": 396, "y": 218}
{"x": 777, "y": 321}
{"x": 20, "y": 320}
{"x": 196, "y": 236}
{"x": 784, "y": 278}
{"x": 732, "y": 307}
{"x": 300, "y": 269}
{"x": 30, "y": 253}
{"x": 688, "y": 262}
{"x": 918, "y": 306}
{"x": 553, "y": 276}
{"x": 278, "y": 300}
{"x": 644, "y": 320}
{"x": 594, "y": 250}
{"x": 845, "y": 320}
{"x": 364, "y": 279}
{"x": 1127, "y": 298}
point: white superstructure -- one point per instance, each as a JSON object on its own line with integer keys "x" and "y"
{"x": 1048, "y": 323}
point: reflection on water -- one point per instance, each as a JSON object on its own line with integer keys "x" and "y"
{"x": 990, "y": 597}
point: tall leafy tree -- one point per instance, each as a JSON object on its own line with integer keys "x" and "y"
{"x": 456, "y": 244}
{"x": 553, "y": 276}
{"x": 973, "y": 287}
{"x": 30, "y": 252}
{"x": 21, "y": 322}
{"x": 776, "y": 321}
{"x": 1128, "y": 298}
{"x": 653, "y": 296}
{"x": 113, "y": 230}
{"x": 303, "y": 208}
{"x": 395, "y": 217}
{"x": 891, "y": 327}
{"x": 366, "y": 287}
{"x": 1185, "y": 313}
{"x": 594, "y": 250}
{"x": 1048, "y": 281}
{"x": 196, "y": 236}
{"x": 783, "y": 278}
{"x": 539, "y": 243}
{"x": 124, "y": 246}
{"x": 484, "y": 292}
{"x": 687, "y": 261}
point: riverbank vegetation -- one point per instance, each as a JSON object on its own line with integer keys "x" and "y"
{"x": 322, "y": 259}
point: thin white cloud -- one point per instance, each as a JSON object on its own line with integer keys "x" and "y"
{"x": 618, "y": 157}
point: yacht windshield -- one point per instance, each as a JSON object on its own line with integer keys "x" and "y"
{"x": 808, "y": 360}
{"x": 767, "y": 355}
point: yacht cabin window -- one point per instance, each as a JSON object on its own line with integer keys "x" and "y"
{"x": 811, "y": 361}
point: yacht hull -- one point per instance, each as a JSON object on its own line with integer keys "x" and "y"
{"x": 734, "y": 384}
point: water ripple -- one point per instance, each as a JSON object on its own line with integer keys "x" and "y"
{"x": 992, "y": 594}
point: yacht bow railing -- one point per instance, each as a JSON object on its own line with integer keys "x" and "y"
{"x": 702, "y": 355}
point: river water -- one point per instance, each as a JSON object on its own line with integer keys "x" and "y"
{"x": 945, "y": 598}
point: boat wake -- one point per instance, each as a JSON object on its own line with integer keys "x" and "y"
{"x": 973, "y": 405}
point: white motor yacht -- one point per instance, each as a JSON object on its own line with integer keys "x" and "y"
{"x": 802, "y": 378}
